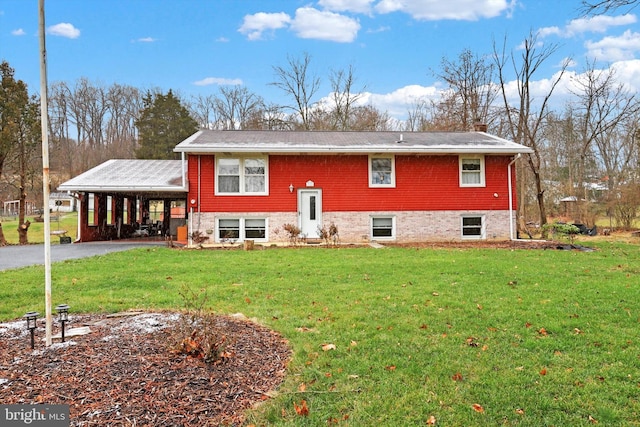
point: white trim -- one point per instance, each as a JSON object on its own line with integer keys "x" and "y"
{"x": 482, "y": 171}
{"x": 393, "y": 227}
{"x": 241, "y": 159}
{"x": 302, "y": 209}
{"x": 392, "y": 184}
{"x": 242, "y": 231}
{"x": 483, "y": 227}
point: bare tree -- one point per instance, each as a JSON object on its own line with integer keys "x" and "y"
{"x": 369, "y": 118}
{"x": 471, "y": 89}
{"x": 603, "y": 105}
{"x": 296, "y": 81}
{"x": 343, "y": 98}
{"x": 203, "y": 109}
{"x": 235, "y": 105}
{"x": 268, "y": 117}
{"x": 524, "y": 123}
{"x": 600, "y": 7}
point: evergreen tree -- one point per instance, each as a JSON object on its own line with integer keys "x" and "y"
{"x": 163, "y": 123}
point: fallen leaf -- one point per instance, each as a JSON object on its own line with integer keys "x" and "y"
{"x": 247, "y": 300}
{"x": 479, "y": 306}
{"x": 431, "y": 421}
{"x": 543, "y": 371}
{"x": 302, "y": 387}
{"x": 301, "y": 410}
{"x": 327, "y": 347}
{"x": 354, "y": 343}
{"x": 520, "y": 411}
{"x": 527, "y": 325}
{"x": 457, "y": 376}
{"x": 435, "y": 294}
{"x": 592, "y": 420}
{"x": 543, "y": 331}
{"x": 478, "y": 408}
{"x": 390, "y": 368}
{"x": 577, "y": 331}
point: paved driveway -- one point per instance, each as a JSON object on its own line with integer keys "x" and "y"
{"x": 16, "y": 256}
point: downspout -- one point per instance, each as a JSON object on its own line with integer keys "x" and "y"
{"x": 184, "y": 172}
{"x": 511, "y": 195}
{"x": 199, "y": 188}
{"x": 78, "y": 204}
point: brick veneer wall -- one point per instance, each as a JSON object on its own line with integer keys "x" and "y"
{"x": 354, "y": 227}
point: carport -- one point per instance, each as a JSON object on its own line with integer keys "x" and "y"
{"x": 122, "y": 199}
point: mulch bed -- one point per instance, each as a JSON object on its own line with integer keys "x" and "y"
{"x": 123, "y": 373}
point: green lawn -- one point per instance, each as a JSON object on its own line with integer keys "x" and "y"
{"x": 64, "y": 221}
{"x": 530, "y": 337}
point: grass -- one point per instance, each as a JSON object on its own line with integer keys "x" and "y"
{"x": 67, "y": 221}
{"x": 532, "y": 337}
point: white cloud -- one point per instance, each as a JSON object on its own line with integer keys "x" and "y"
{"x": 146, "y": 40}
{"x": 64, "y": 29}
{"x": 222, "y": 40}
{"x": 208, "y": 81}
{"x": 628, "y": 73}
{"x": 310, "y": 23}
{"x": 613, "y": 48}
{"x": 355, "y": 6}
{"x": 595, "y": 24}
{"x": 401, "y": 100}
{"x": 462, "y": 10}
{"x": 18, "y": 32}
{"x": 255, "y": 25}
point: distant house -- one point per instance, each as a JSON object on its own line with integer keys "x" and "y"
{"x": 373, "y": 186}
{"x": 62, "y": 202}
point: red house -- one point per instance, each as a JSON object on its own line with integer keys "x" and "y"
{"x": 412, "y": 186}
{"x": 248, "y": 185}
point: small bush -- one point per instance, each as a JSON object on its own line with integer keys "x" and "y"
{"x": 329, "y": 235}
{"x": 569, "y": 231}
{"x": 293, "y": 233}
{"x": 196, "y": 334}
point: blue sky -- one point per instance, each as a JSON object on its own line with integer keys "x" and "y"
{"x": 193, "y": 46}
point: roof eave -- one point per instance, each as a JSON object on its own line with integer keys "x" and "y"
{"x": 341, "y": 150}
{"x": 118, "y": 189}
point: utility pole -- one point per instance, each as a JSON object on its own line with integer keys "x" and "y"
{"x": 45, "y": 173}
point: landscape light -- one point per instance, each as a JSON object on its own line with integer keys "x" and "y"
{"x": 31, "y": 317}
{"x": 63, "y": 316}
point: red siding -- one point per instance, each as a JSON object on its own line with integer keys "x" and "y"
{"x": 422, "y": 183}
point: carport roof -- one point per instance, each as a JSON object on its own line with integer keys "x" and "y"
{"x": 130, "y": 176}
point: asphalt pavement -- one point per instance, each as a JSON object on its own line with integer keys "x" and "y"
{"x": 16, "y": 256}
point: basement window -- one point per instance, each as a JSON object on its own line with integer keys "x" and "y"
{"x": 383, "y": 228}
{"x": 240, "y": 229}
{"x": 473, "y": 227}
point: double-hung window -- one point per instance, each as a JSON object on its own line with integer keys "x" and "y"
{"x": 232, "y": 229}
{"x": 382, "y": 171}
{"x": 241, "y": 175}
{"x": 472, "y": 172}
{"x": 473, "y": 227}
{"x": 383, "y": 227}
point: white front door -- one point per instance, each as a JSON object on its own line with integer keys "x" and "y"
{"x": 310, "y": 212}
